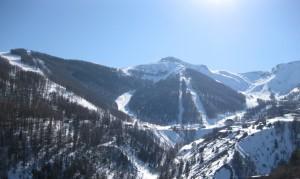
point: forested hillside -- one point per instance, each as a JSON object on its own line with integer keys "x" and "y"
{"x": 44, "y": 134}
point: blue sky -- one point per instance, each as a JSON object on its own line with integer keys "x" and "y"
{"x": 235, "y": 35}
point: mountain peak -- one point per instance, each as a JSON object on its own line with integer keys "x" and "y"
{"x": 171, "y": 60}
{"x": 175, "y": 60}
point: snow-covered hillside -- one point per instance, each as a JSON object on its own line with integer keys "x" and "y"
{"x": 267, "y": 148}
{"x": 216, "y": 156}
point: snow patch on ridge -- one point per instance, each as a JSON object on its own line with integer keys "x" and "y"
{"x": 52, "y": 87}
{"x": 15, "y": 60}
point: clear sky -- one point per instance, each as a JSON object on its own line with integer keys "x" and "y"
{"x": 235, "y": 35}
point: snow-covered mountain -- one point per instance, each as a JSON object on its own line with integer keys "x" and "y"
{"x": 182, "y": 93}
{"x": 171, "y": 119}
{"x": 187, "y": 97}
{"x": 281, "y": 80}
{"x": 171, "y": 65}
